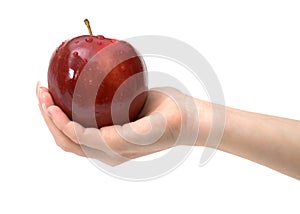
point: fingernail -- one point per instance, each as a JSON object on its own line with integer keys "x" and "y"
{"x": 39, "y": 96}
{"x": 38, "y": 89}
{"x": 48, "y": 111}
{"x": 44, "y": 107}
{"x": 41, "y": 101}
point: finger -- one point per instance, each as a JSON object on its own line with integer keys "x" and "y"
{"x": 44, "y": 97}
{"x": 71, "y": 136}
{"x": 129, "y": 140}
{"x": 61, "y": 139}
{"x": 88, "y": 140}
{"x": 103, "y": 156}
{"x": 45, "y": 100}
{"x": 81, "y": 141}
{"x": 145, "y": 131}
{"x": 113, "y": 136}
{"x": 40, "y": 89}
{"x": 89, "y": 137}
{"x": 37, "y": 89}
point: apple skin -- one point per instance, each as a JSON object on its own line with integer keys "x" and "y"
{"x": 98, "y": 81}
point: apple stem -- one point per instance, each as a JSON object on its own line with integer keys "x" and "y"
{"x": 87, "y": 23}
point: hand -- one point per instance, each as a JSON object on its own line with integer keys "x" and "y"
{"x": 169, "y": 118}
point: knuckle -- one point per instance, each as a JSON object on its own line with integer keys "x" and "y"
{"x": 65, "y": 146}
{"x": 113, "y": 142}
{"x": 67, "y": 129}
{"x": 72, "y": 131}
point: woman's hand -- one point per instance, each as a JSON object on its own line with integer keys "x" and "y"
{"x": 169, "y": 118}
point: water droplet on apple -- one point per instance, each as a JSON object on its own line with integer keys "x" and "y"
{"x": 75, "y": 54}
{"x": 85, "y": 60}
{"x": 76, "y": 42}
{"x": 89, "y": 40}
{"x": 99, "y": 43}
{"x": 114, "y": 41}
{"x": 100, "y": 37}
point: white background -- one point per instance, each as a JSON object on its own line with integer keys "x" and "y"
{"x": 254, "y": 48}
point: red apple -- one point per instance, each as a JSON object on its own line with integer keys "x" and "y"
{"x": 98, "y": 81}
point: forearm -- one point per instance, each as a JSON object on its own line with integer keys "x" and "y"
{"x": 267, "y": 140}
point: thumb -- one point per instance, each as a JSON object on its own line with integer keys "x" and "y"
{"x": 145, "y": 131}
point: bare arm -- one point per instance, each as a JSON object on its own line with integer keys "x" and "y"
{"x": 268, "y": 140}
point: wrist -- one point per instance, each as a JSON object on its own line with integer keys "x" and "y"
{"x": 213, "y": 125}
{"x": 205, "y": 115}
